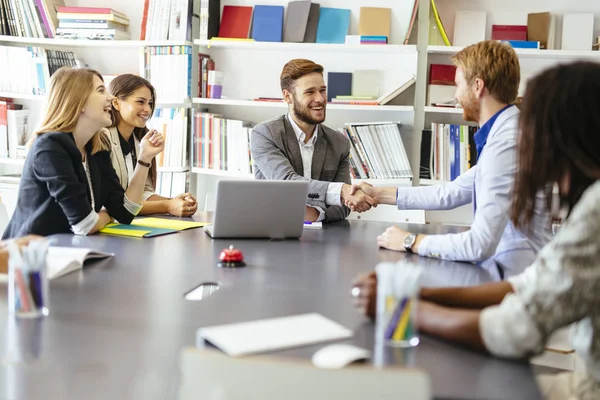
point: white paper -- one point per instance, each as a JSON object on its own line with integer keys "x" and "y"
{"x": 273, "y": 334}
{"x": 62, "y": 260}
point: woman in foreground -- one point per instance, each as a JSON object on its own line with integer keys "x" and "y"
{"x": 559, "y": 145}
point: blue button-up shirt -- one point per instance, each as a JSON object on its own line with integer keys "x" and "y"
{"x": 492, "y": 240}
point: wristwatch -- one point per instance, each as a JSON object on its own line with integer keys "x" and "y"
{"x": 144, "y": 163}
{"x": 409, "y": 242}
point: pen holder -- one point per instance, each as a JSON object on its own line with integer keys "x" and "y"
{"x": 397, "y": 297}
{"x": 28, "y": 279}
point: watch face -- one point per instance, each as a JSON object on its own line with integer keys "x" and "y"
{"x": 409, "y": 241}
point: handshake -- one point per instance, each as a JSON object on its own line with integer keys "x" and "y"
{"x": 359, "y": 197}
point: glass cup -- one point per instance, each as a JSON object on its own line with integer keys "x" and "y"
{"x": 28, "y": 279}
{"x": 397, "y": 297}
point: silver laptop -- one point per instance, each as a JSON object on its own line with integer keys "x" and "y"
{"x": 259, "y": 209}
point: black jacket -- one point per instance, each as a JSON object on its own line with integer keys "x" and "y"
{"x": 54, "y": 193}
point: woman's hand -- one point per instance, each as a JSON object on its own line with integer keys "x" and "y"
{"x": 151, "y": 145}
{"x": 184, "y": 205}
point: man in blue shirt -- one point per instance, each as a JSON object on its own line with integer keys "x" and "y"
{"x": 487, "y": 81}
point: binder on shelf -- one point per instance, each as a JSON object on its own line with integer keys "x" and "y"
{"x": 296, "y": 21}
{"x": 469, "y": 27}
{"x": 338, "y": 83}
{"x": 310, "y": 36}
{"x": 374, "y": 21}
{"x": 333, "y": 25}
{"x": 235, "y": 22}
{"x": 267, "y": 25}
{"x": 540, "y": 28}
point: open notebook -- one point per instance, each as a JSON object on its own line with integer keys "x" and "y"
{"x": 253, "y": 337}
{"x": 62, "y": 260}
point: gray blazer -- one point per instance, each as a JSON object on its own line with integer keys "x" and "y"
{"x": 276, "y": 155}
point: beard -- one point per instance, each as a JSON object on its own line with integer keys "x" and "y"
{"x": 471, "y": 108}
{"x": 303, "y": 113}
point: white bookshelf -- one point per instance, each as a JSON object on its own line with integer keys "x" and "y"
{"x": 320, "y": 47}
{"x": 444, "y": 110}
{"x": 216, "y": 172}
{"x": 283, "y": 106}
{"x": 173, "y": 169}
{"x": 116, "y": 44}
{"x": 528, "y": 53}
{"x": 12, "y": 161}
{"x": 22, "y": 96}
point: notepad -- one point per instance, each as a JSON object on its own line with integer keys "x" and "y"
{"x": 135, "y": 231}
{"x": 164, "y": 223}
{"x": 273, "y": 334}
{"x": 63, "y": 260}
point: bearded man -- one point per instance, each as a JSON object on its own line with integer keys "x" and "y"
{"x": 297, "y": 146}
{"x": 487, "y": 82}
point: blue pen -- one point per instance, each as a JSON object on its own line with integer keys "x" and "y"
{"x": 307, "y": 223}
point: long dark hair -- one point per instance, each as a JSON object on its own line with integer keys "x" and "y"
{"x": 122, "y": 87}
{"x": 559, "y": 137}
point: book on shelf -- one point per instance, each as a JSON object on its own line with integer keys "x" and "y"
{"x": 377, "y": 151}
{"x": 374, "y": 21}
{"x": 172, "y": 124}
{"x": 509, "y": 32}
{"x": 166, "y": 20}
{"x": 169, "y": 69}
{"x": 358, "y": 39}
{"x": 310, "y": 35}
{"x": 541, "y": 28}
{"x": 205, "y": 64}
{"x": 296, "y": 21}
{"x": 91, "y": 23}
{"x": 63, "y": 260}
{"x": 29, "y": 18}
{"x": 27, "y": 70}
{"x": 171, "y": 184}
{"x": 469, "y": 27}
{"x": 92, "y": 34}
{"x": 333, "y": 25}
{"x": 267, "y": 23}
{"x": 449, "y": 150}
{"x": 210, "y": 18}
{"x": 371, "y": 100}
{"x": 235, "y": 22}
{"x": 221, "y": 144}
{"x": 13, "y": 129}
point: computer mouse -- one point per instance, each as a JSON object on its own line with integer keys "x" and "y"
{"x": 338, "y": 356}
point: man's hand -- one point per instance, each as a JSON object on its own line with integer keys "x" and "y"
{"x": 393, "y": 239}
{"x": 364, "y": 292}
{"x": 311, "y": 214}
{"x": 359, "y": 201}
{"x": 382, "y": 195}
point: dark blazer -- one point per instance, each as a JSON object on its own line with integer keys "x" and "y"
{"x": 54, "y": 193}
{"x": 276, "y": 155}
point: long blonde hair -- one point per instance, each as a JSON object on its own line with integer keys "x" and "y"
{"x": 69, "y": 90}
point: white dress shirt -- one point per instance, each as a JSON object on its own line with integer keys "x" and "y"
{"x": 559, "y": 289}
{"x": 492, "y": 241}
{"x": 334, "y": 189}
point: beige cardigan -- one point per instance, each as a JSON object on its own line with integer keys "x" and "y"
{"x": 118, "y": 161}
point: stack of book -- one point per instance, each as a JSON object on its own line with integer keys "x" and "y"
{"x": 220, "y": 143}
{"x": 377, "y": 151}
{"x": 92, "y": 23}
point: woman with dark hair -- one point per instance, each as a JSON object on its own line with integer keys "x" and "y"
{"x": 132, "y": 106}
{"x": 559, "y": 146}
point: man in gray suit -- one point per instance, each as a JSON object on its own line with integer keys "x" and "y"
{"x": 296, "y": 146}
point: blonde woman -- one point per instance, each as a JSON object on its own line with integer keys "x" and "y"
{"x": 132, "y": 106}
{"x": 68, "y": 183}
